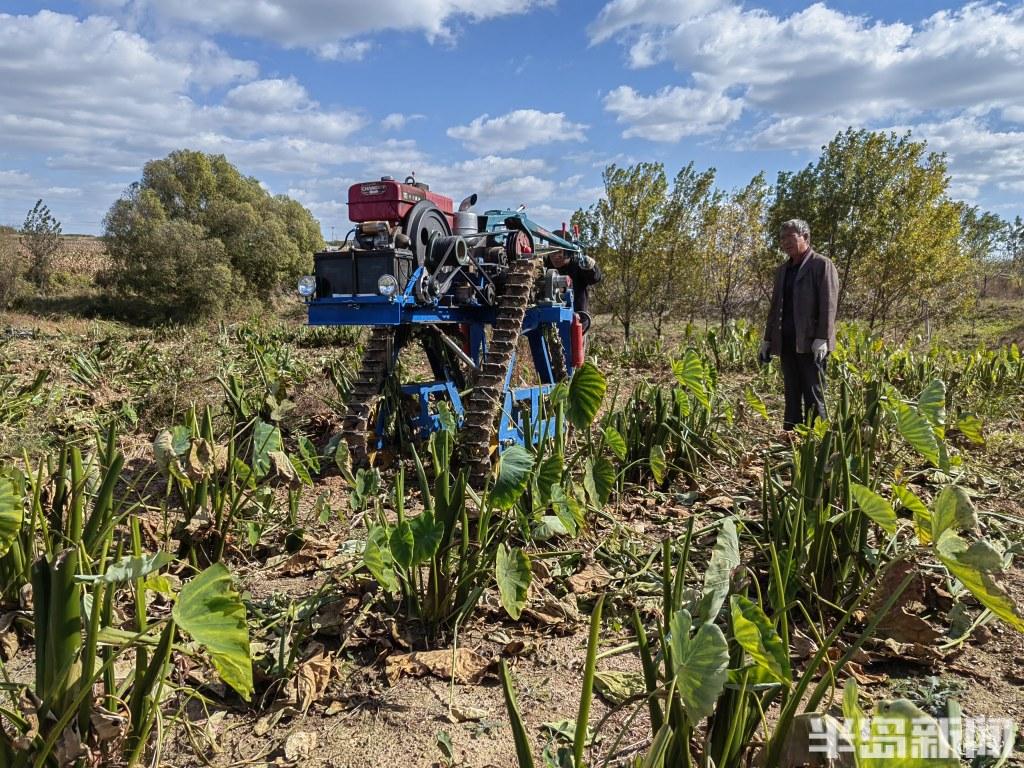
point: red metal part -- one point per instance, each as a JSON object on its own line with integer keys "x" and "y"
{"x": 391, "y": 200}
{"x": 577, "y": 341}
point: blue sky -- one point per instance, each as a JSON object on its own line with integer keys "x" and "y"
{"x": 521, "y": 101}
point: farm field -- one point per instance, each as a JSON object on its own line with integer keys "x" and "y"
{"x": 217, "y": 587}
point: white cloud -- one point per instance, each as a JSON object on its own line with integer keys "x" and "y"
{"x": 349, "y": 50}
{"x": 672, "y": 113}
{"x": 319, "y": 25}
{"x": 273, "y": 95}
{"x": 396, "y": 121}
{"x": 952, "y": 77}
{"x": 517, "y": 130}
{"x": 90, "y": 94}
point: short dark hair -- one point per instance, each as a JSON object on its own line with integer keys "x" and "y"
{"x": 799, "y": 226}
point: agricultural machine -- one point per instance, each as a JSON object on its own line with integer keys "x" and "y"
{"x": 464, "y": 286}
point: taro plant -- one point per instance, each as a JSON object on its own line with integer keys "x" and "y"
{"x": 77, "y": 643}
{"x": 709, "y": 679}
{"x": 662, "y": 432}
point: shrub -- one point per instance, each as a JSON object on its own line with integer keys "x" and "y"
{"x": 194, "y": 233}
{"x": 40, "y": 234}
{"x": 11, "y": 268}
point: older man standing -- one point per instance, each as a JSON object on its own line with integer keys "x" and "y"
{"x": 801, "y": 327}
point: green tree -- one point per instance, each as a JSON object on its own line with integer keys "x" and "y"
{"x": 676, "y": 283}
{"x": 877, "y": 205}
{"x": 622, "y": 231}
{"x": 737, "y": 249}
{"x": 253, "y": 241}
{"x": 40, "y": 235}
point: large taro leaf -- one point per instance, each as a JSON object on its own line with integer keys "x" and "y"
{"x": 266, "y": 439}
{"x": 210, "y": 610}
{"x": 755, "y": 633}
{"x": 512, "y": 571}
{"x": 401, "y": 544}
{"x": 549, "y": 473}
{"x": 10, "y": 514}
{"x": 952, "y": 510}
{"x": 586, "y": 391}
{"x": 932, "y": 405}
{"x": 976, "y": 568}
{"x": 892, "y": 737}
{"x": 615, "y": 442}
{"x": 514, "y": 469}
{"x": 970, "y": 426}
{"x": 427, "y": 533}
{"x": 598, "y": 480}
{"x": 922, "y": 515}
{"x": 378, "y": 559}
{"x": 875, "y": 507}
{"x": 918, "y": 432}
{"x": 692, "y": 375}
{"x": 725, "y": 558}
{"x": 701, "y": 665}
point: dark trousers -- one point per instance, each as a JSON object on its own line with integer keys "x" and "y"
{"x": 805, "y": 387}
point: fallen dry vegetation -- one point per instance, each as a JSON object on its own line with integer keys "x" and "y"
{"x": 192, "y": 574}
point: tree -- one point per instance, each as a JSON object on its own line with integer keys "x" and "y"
{"x": 676, "y": 285}
{"x": 623, "y": 232}
{"x": 877, "y": 205}
{"x": 737, "y": 249}
{"x": 252, "y": 241}
{"x": 40, "y": 235}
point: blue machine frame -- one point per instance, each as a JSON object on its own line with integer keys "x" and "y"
{"x": 403, "y": 309}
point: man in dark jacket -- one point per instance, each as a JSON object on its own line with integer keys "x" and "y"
{"x": 801, "y": 327}
{"x": 582, "y": 270}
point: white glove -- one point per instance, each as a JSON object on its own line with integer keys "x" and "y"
{"x": 764, "y": 354}
{"x": 820, "y": 349}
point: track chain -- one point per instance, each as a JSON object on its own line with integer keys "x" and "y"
{"x": 488, "y": 394}
{"x": 556, "y": 352}
{"x": 366, "y": 393}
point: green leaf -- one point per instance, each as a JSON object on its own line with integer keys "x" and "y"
{"x": 725, "y": 558}
{"x": 691, "y": 374}
{"x": 922, "y": 515}
{"x": 130, "y": 568}
{"x": 932, "y": 405}
{"x": 514, "y": 468}
{"x": 599, "y": 480}
{"x": 266, "y": 439}
{"x": 756, "y": 635}
{"x": 549, "y": 474}
{"x": 918, "y": 432}
{"x": 962, "y": 562}
{"x": 756, "y": 403}
{"x": 427, "y": 534}
{"x": 659, "y": 465}
{"x": 875, "y": 507}
{"x": 953, "y": 509}
{"x": 615, "y": 442}
{"x": 512, "y": 572}
{"x": 210, "y": 610}
{"x": 970, "y": 426}
{"x": 402, "y": 544}
{"x": 701, "y": 664}
{"x": 378, "y": 560}
{"x": 548, "y": 527}
{"x": 11, "y": 515}
{"x": 586, "y": 391}
{"x": 567, "y": 509}
{"x": 891, "y": 738}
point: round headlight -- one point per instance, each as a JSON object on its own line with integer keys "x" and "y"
{"x": 307, "y": 286}
{"x": 387, "y": 286}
